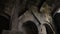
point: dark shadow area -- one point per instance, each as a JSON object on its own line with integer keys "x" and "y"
{"x": 4, "y": 24}
{"x": 48, "y": 29}
{"x": 57, "y": 22}
{"x": 29, "y": 27}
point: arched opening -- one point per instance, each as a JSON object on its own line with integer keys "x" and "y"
{"x": 4, "y": 24}
{"x": 57, "y": 22}
{"x": 49, "y": 30}
{"x": 29, "y": 27}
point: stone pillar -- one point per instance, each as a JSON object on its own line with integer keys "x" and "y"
{"x": 14, "y": 18}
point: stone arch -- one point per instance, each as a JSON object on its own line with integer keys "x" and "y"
{"x": 4, "y": 23}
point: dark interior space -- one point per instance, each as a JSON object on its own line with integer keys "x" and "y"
{"x": 4, "y": 24}
{"x": 49, "y": 30}
{"x": 30, "y": 27}
{"x": 57, "y": 21}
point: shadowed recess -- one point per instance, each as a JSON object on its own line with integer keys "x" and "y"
{"x": 4, "y": 24}
{"x": 48, "y": 29}
{"x": 29, "y": 27}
